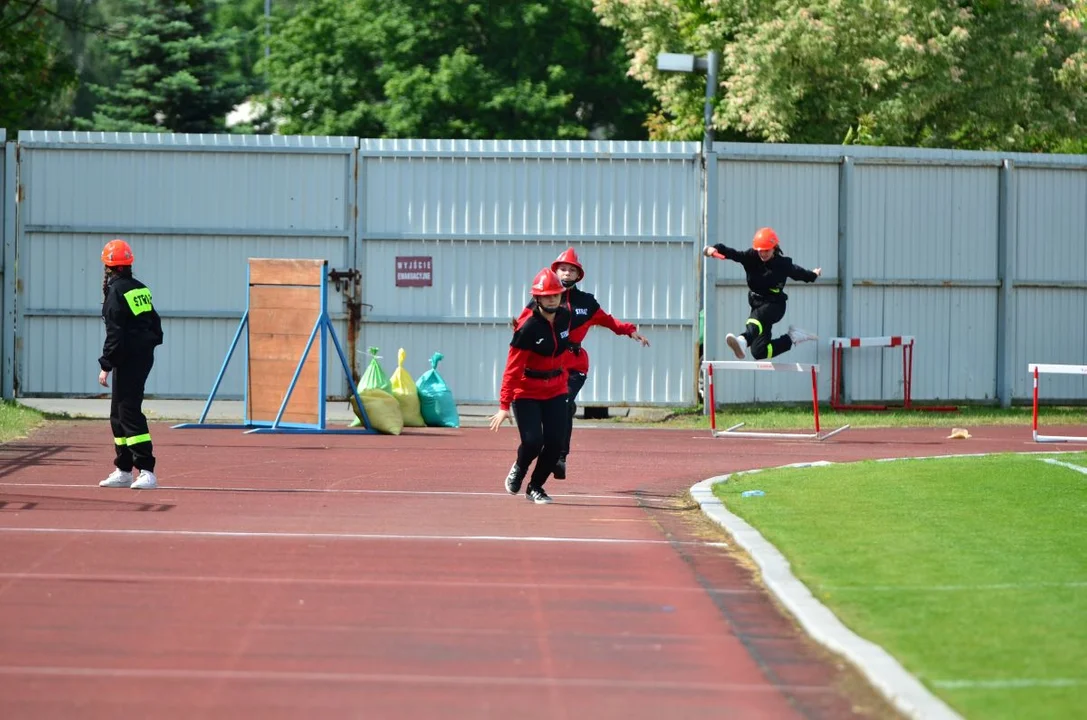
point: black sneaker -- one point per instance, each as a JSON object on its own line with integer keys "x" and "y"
{"x": 560, "y": 469}
{"x": 514, "y": 480}
{"x": 537, "y": 495}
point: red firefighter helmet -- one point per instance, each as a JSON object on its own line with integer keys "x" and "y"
{"x": 117, "y": 253}
{"x": 765, "y": 239}
{"x": 546, "y": 282}
{"x": 569, "y": 256}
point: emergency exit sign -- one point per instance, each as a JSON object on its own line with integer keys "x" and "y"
{"x": 415, "y": 271}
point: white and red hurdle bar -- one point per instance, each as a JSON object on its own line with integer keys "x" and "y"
{"x": 708, "y": 367}
{"x": 837, "y": 347}
{"x": 1036, "y": 369}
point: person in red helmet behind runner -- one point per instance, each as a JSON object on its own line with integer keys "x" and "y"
{"x": 767, "y": 270}
{"x": 534, "y": 386}
{"x": 133, "y": 331}
{"x": 585, "y": 312}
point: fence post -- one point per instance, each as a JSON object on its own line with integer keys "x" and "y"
{"x": 709, "y": 268}
{"x": 1006, "y": 233}
{"x": 845, "y": 264}
{"x": 8, "y": 188}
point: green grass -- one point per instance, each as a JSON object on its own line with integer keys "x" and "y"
{"x": 965, "y": 569}
{"x": 17, "y": 420}
{"x": 765, "y": 417}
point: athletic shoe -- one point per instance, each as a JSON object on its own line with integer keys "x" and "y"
{"x": 514, "y": 480}
{"x": 738, "y": 343}
{"x": 560, "y": 469}
{"x": 798, "y": 336}
{"x": 146, "y": 481}
{"x": 537, "y": 495}
{"x": 118, "y": 479}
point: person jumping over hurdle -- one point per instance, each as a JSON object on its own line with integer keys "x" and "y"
{"x": 767, "y": 270}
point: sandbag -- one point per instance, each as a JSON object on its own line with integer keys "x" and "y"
{"x": 406, "y": 393}
{"x": 436, "y": 402}
{"x": 382, "y": 409}
{"x": 374, "y": 378}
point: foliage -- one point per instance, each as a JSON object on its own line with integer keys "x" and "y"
{"x": 933, "y": 73}
{"x": 452, "y": 69}
{"x": 35, "y": 74}
{"x": 172, "y": 71}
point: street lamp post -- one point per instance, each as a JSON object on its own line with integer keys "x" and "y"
{"x": 679, "y": 62}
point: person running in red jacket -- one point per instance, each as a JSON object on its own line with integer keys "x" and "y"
{"x": 534, "y": 386}
{"x": 585, "y": 312}
{"x": 767, "y": 269}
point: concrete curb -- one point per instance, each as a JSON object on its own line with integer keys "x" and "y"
{"x": 905, "y": 692}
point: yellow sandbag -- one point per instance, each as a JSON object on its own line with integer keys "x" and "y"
{"x": 406, "y": 394}
{"x": 382, "y": 409}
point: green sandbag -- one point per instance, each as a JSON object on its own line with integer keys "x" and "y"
{"x": 406, "y": 393}
{"x": 374, "y": 379}
{"x": 436, "y": 401}
{"x": 382, "y": 409}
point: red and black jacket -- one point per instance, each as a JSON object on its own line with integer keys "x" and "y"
{"x": 534, "y": 366}
{"x": 585, "y": 312}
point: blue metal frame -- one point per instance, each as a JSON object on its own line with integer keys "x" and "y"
{"x": 323, "y": 324}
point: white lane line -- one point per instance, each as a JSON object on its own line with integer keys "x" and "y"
{"x": 358, "y": 582}
{"x": 1009, "y": 684}
{"x": 1070, "y": 466}
{"x": 352, "y": 536}
{"x": 404, "y": 679}
{"x": 333, "y": 491}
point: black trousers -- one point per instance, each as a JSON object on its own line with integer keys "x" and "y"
{"x": 131, "y": 438}
{"x": 574, "y": 382}
{"x": 542, "y": 424}
{"x": 759, "y": 327}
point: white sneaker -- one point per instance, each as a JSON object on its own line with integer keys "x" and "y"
{"x": 118, "y": 479}
{"x": 798, "y": 336}
{"x": 738, "y": 343}
{"x": 146, "y": 481}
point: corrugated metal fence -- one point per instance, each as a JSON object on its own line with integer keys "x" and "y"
{"x": 981, "y": 256}
{"x": 491, "y": 214}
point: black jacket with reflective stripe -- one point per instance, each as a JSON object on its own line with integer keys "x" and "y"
{"x": 766, "y": 280}
{"x": 133, "y": 327}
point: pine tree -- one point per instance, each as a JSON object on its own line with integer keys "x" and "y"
{"x": 172, "y": 65}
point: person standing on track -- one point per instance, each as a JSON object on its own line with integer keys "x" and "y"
{"x": 534, "y": 386}
{"x": 133, "y": 331}
{"x": 767, "y": 270}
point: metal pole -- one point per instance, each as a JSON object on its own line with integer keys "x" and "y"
{"x": 1005, "y": 252}
{"x": 709, "y": 208}
{"x": 267, "y": 39}
{"x": 712, "y": 61}
{"x": 845, "y": 270}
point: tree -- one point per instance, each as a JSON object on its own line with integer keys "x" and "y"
{"x": 35, "y": 74}
{"x": 453, "y": 68}
{"x": 990, "y": 74}
{"x": 172, "y": 66}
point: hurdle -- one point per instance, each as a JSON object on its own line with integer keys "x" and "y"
{"x": 1036, "y": 369}
{"x": 734, "y": 431}
{"x": 286, "y": 311}
{"x": 906, "y": 342}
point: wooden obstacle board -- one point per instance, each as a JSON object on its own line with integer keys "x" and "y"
{"x": 284, "y": 307}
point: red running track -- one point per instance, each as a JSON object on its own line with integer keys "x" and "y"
{"x": 295, "y": 576}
